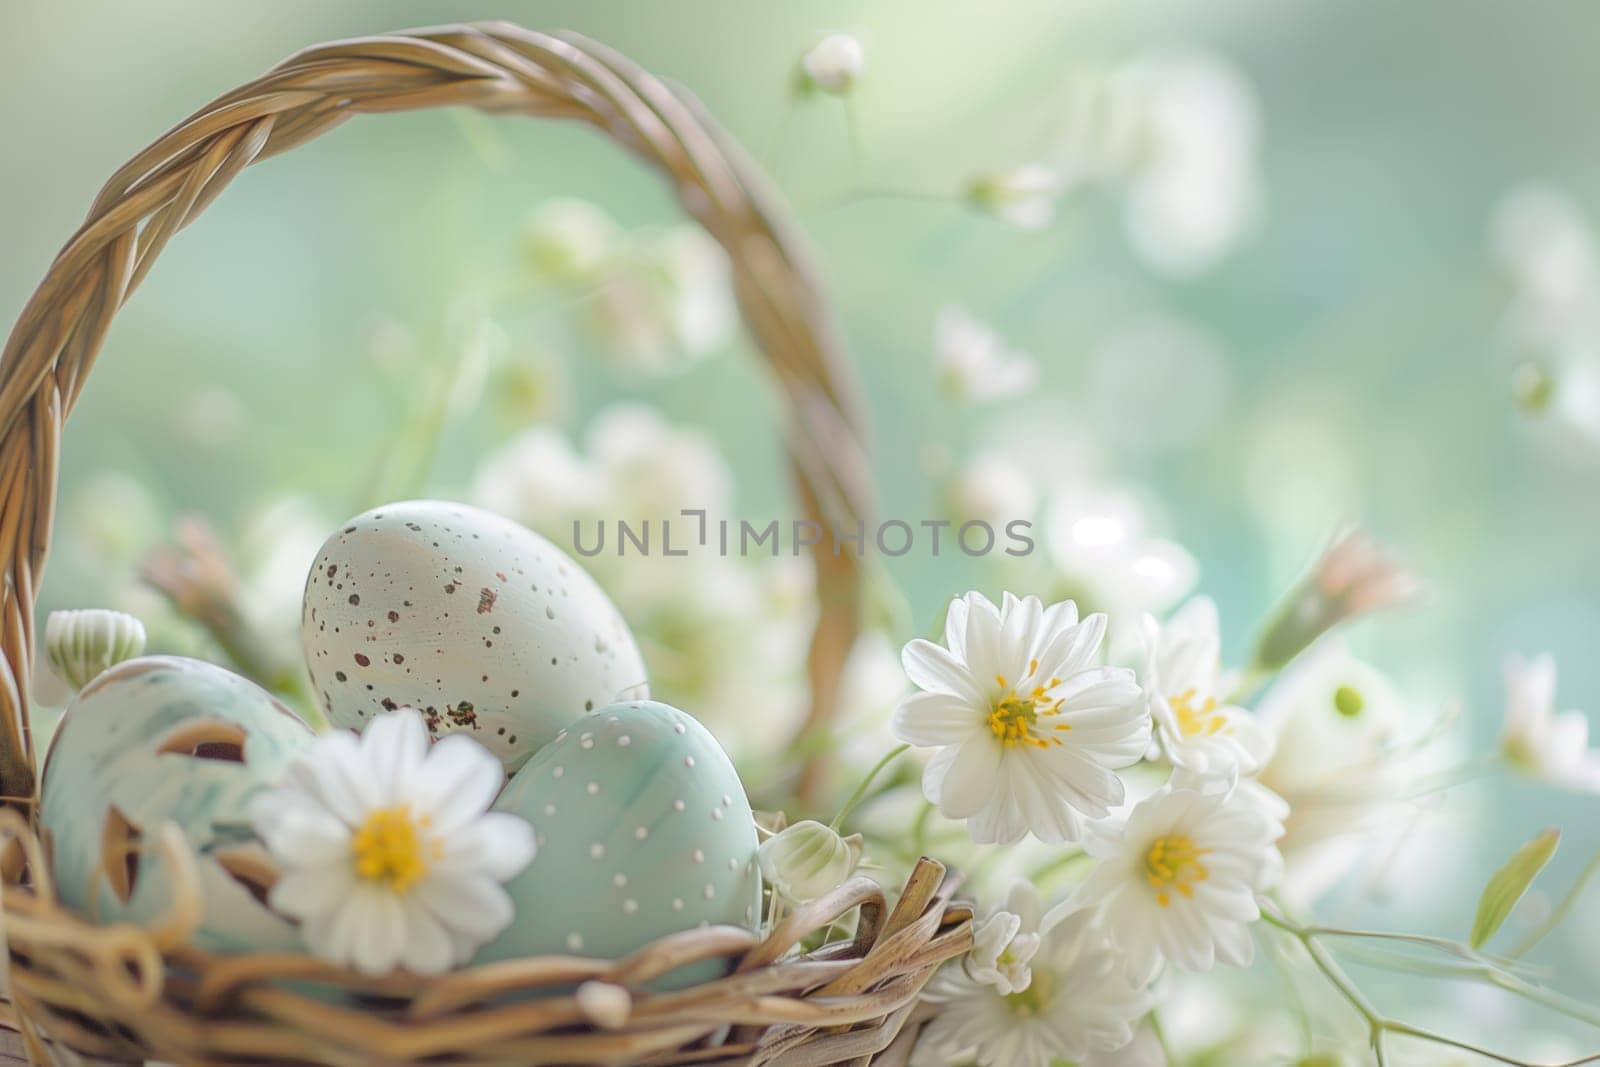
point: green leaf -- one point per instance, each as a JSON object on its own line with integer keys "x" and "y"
{"x": 1509, "y": 883}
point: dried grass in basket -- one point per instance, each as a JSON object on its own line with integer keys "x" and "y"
{"x": 122, "y": 991}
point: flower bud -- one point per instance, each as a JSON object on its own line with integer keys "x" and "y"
{"x": 1001, "y": 953}
{"x": 834, "y": 64}
{"x": 82, "y": 644}
{"x": 807, "y": 860}
{"x": 1023, "y": 196}
{"x": 1354, "y": 576}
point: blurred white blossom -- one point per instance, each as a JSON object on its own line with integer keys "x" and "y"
{"x": 570, "y": 241}
{"x": 1023, "y": 196}
{"x": 1537, "y": 741}
{"x": 664, "y": 302}
{"x": 1195, "y": 190}
{"x": 1549, "y": 253}
{"x": 277, "y": 543}
{"x": 1104, "y": 556}
{"x": 1336, "y": 721}
{"x": 723, "y": 635}
{"x": 991, "y": 488}
{"x": 834, "y": 63}
{"x": 972, "y": 362}
{"x": 1179, "y": 135}
{"x": 1551, "y": 329}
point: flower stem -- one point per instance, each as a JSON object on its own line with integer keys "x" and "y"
{"x": 861, "y": 790}
{"x": 1380, "y": 1025}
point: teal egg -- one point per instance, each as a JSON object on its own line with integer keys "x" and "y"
{"x": 162, "y": 739}
{"x": 644, "y": 830}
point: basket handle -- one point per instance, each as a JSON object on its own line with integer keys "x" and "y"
{"x": 495, "y": 67}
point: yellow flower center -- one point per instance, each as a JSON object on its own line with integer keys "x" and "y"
{"x": 390, "y": 848}
{"x": 1196, "y": 718}
{"x": 1016, "y": 717}
{"x": 1035, "y": 998}
{"x": 1173, "y": 863}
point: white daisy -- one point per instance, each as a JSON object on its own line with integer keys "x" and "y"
{"x": 1079, "y": 1003}
{"x": 1178, "y": 880}
{"x": 1537, "y": 741}
{"x": 973, "y": 363}
{"x": 389, "y": 854}
{"x": 1186, "y": 692}
{"x": 1029, "y": 728}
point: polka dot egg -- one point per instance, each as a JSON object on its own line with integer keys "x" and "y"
{"x": 480, "y": 624}
{"x": 644, "y": 830}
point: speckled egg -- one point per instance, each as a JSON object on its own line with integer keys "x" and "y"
{"x": 482, "y": 625}
{"x": 167, "y": 739}
{"x": 643, "y": 830}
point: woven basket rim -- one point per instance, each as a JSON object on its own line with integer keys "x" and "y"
{"x": 121, "y": 989}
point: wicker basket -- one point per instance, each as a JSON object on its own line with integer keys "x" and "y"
{"x": 124, "y": 992}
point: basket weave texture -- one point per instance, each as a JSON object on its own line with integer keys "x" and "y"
{"x": 127, "y": 992}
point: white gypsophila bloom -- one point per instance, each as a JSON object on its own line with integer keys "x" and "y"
{"x": 538, "y": 479}
{"x": 1005, "y": 942}
{"x": 1336, "y": 721}
{"x": 652, "y": 469}
{"x": 1550, "y": 255}
{"x": 1197, "y": 728}
{"x": 664, "y": 302}
{"x": 1538, "y": 742}
{"x": 1079, "y": 1003}
{"x": 277, "y": 544}
{"x": 834, "y": 63}
{"x": 723, "y": 636}
{"x": 1178, "y": 878}
{"x": 82, "y": 644}
{"x": 1103, "y": 555}
{"x": 1029, "y": 728}
{"x": 1023, "y": 196}
{"x": 807, "y": 860}
{"x": 570, "y": 241}
{"x": 1195, "y": 188}
{"x": 992, "y": 489}
{"x": 390, "y": 856}
{"x": 973, "y": 364}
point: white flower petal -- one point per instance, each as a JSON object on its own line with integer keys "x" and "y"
{"x": 396, "y": 743}
{"x": 458, "y": 781}
{"x": 932, "y": 719}
{"x": 936, "y": 670}
{"x": 970, "y": 781}
{"x": 497, "y": 844}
